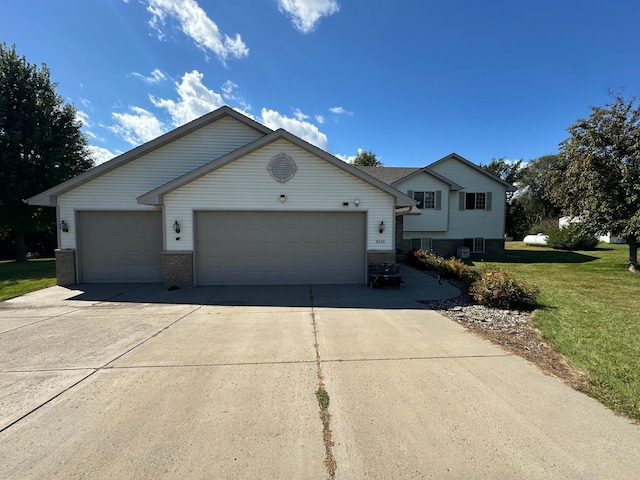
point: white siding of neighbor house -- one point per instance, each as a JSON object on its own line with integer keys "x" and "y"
{"x": 431, "y": 220}
{"x": 119, "y": 188}
{"x": 246, "y": 185}
{"x": 472, "y": 223}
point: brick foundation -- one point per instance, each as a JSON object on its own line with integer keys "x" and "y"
{"x": 177, "y": 269}
{"x": 381, "y": 256}
{"x": 446, "y": 247}
{"x": 66, "y": 267}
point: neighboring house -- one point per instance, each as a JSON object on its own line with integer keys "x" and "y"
{"x": 224, "y": 200}
{"x": 460, "y": 203}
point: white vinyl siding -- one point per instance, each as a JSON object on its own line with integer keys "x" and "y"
{"x": 119, "y": 188}
{"x": 486, "y": 223}
{"x": 432, "y": 219}
{"x": 246, "y": 185}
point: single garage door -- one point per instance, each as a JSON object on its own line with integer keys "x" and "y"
{"x": 280, "y": 248}
{"x": 120, "y": 247}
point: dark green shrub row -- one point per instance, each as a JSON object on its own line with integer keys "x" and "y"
{"x": 492, "y": 287}
{"x": 449, "y": 268}
{"x": 571, "y": 237}
{"x": 497, "y": 288}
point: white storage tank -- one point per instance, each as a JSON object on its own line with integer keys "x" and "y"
{"x": 540, "y": 240}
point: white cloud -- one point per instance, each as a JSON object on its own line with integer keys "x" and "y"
{"x": 100, "y": 155}
{"x": 348, "y": 158}
{"x": 156, "y": 76}
{"x": 305, "y": 130}
{"x": 229, "y": 89}
{"x": 195, "y": 100}
{"x": 137, "y": 127}
{"x": 83, "y": 117}
{"x": 320, "y": 119}
{"x": 340, "y": 111}
{"x": 306, "y": 13}
{"x": 195, "y": 23}
{"x": 299, "y": 115}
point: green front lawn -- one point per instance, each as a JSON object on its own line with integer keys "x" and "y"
{"x": 590, "y": 310}
{"x": 18, "y": 278}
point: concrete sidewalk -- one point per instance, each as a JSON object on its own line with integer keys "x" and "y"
{"x": 131, "y": 381}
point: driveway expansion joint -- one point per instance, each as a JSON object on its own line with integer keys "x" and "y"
{"x": 323, "y": 401}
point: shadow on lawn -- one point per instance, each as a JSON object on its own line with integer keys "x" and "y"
{"x": 546, "y": 256}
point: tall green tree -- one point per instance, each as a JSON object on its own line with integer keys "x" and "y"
{"x": 509, "y": 171}
{"x": 41, "y": 144}
{"x": 534, "y": 186}
{"x": 600, "y": 182}
{"x": 366, "y": 159}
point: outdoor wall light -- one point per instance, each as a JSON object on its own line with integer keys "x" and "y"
{"x": 357, "y": 202}
{"x": 381, "y": 227}
{"x": 63, "y": 226}
{"x": 283, "y": 198}
{"x": 176, "y": 227}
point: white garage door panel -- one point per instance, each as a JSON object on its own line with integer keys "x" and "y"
{"x": 259, "y": 248}
{"x": 120, "y": 247}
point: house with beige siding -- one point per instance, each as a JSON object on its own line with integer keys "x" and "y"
{"x": 224, "y": 200}
{"x": 461, "y": 205}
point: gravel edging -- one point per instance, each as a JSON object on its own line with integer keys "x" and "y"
{"x": 513, "y": 330}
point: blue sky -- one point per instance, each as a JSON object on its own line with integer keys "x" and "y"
{"x": 411, "y": 81}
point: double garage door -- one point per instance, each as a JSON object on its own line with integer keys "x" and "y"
{"x": 280, "y": 248}
{"x": 232, "y": 248}
{"x": 120, "y": 247}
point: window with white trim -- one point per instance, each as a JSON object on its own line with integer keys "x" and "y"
{"x": 427, "y": 200}
{"x": 475, "y": 245}
{"x": 421, "y": 244}
{"x": 475, "y": 201}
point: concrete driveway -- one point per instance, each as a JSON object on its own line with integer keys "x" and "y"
{"x": 130, "y": 381}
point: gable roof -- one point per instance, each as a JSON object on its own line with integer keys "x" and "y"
{"x": 455, "y": 156}
{"x": 155, "y": 196}
{"x": 49, "y": 197}
{"x": 395, "y": 175}
{"x": 388, "y": 175}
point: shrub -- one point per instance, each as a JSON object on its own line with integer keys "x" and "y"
{"x": 497, "y": 288}
{"x": 452, "y": 268}
{"x": 571, "y": 237}
{"x": 543, "y": 226}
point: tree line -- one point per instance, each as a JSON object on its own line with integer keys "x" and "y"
{"x": 593, "y": 177}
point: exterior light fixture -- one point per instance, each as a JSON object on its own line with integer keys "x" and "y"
{"x": 63, "y": 226}
{"x": 356, "y": 202}
{"x": 176, "y": 227}
{"x": 381, "y": 227}
{"x": 283, "y": 198}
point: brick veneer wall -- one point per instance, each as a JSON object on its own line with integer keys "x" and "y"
{"x": 449, "y": 248}
{"x": 66, "y": 267}
{"x": 446, "y": 247}
{"x": 177, "y": 269}
{"x": 401, "y": 243}
{"x": 381, "y": 256}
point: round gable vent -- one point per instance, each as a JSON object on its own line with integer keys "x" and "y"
{"x": 282, "y": 168}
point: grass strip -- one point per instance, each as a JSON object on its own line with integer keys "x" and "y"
{"x": 19, "y": 278}
{"x": 589, "y": 309}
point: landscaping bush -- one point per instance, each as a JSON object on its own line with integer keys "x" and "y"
{"x": 543, "y": 226}
{"x": 571, "y": 237}
{"x": 451, "y": 268}
{"x": 497, "y": 288}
